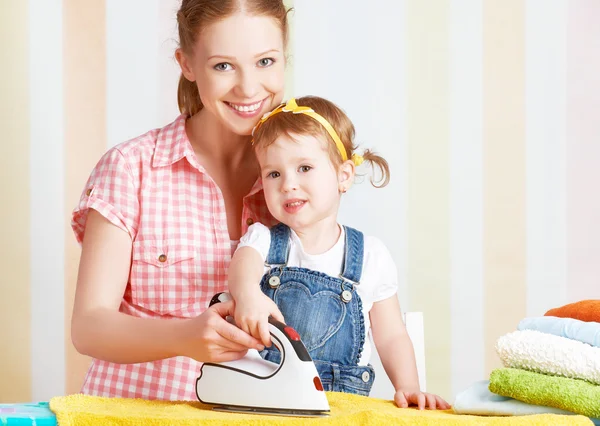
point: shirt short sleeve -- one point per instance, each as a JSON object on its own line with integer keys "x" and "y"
{"x": 258, "y": 237}
{"x": 112, "y": 191}
{"x": 386, "y": 284}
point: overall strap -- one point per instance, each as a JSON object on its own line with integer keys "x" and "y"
{"x": 353, "y": 258}
{"x": 280, "y": 241}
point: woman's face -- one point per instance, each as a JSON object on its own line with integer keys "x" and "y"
{"x": 238, "y": 64}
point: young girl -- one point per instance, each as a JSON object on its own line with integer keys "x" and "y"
{"x": 332, "y": 284}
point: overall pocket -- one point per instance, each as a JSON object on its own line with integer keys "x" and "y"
{"x": 163, "y": 278}
{"x": 316, "y": 317}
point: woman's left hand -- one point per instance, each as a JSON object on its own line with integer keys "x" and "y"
{"x": 423, "y": 400}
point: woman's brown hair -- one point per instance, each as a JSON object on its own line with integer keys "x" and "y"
{"x": 195, "y": 15}
{"x": 302, "y": 124}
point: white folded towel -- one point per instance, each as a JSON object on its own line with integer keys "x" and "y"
{"x": 548, "y": 354}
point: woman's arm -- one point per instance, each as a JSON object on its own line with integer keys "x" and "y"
{"x": 99, "y": 330}
{"x": 397, "y": 355}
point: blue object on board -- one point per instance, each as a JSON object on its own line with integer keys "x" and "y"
{"x": 27, "y": 414}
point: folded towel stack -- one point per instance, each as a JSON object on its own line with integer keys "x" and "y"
{"x": 554, "y": 360}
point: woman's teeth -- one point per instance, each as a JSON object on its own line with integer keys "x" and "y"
{"x": 246, "y": 108}
{"x": 295, "y": 204}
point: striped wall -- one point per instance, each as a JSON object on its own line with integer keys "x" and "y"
{"x": 85, "y": 130}
{"x": 15, "y": 257}
{"x": 488, "y": 112}
{"x": 428, "y": 198}
{"x": 465, "y": 76}
{"x": 503, "y": 166}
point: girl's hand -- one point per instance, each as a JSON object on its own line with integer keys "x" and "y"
{"x": 211, "y": 338}
{"x": 421, "y": 399}
{"x": 252, "y": 311}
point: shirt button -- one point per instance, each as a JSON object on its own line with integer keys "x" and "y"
{"x": 88, "y": 192}
{"x": 249, "y": 221}
{"x": 366, "y": 376}
{"x": 162, "y": 258}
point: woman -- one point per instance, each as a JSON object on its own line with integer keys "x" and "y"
{"x": 160, "y": 214}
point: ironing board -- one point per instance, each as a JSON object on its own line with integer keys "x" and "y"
{"x": 346, "y": 409}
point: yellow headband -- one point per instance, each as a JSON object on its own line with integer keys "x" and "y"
{"x": 293, "y": 107}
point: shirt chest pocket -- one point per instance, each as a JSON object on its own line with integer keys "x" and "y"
{"x": 164, "y": 279}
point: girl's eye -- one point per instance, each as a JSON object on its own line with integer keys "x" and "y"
{"x": 265, "y": 62}
{"x": 223, "y": 66}
{"x": 305, "y": 169}
{"x": 273, "y": 175}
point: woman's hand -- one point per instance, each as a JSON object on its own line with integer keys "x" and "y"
{"x": 422, "y": 400}
{"x": 211, "y": 338}
{"x": 252, "y": 311}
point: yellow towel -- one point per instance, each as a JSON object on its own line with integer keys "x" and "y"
{"x": 346, "y": 409}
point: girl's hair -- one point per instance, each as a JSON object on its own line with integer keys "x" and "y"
{"x": 301, "y": 124}
{"x": 195, "y": 15}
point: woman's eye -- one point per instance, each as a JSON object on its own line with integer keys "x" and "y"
{"x": 223, "y": 66}
{"x": 273, "y": 175}
{"x": 305, "y": 169}
{"x": 265, "y": 62}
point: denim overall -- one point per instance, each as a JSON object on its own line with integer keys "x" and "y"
{"x": 326, "y": 311}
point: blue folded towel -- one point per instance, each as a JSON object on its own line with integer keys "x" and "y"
{"x": 478, "y": 400}
{"x": 583, "y": 331}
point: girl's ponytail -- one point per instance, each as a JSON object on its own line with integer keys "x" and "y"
{"x": 382, "y": 165}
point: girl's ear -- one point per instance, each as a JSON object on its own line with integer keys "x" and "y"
{"x": 184, "y": 64}
{"x": 346, "y": 174}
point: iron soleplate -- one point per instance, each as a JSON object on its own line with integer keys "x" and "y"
{"x": 271, "y": 411}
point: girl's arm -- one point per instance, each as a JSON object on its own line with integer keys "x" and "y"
{"x": 252, "y": 307}
{"x": 393, "y": 344}
{"x": 99, "y": 330}
{"x": 397, "y": 355}
{"x": 245, "y": 272}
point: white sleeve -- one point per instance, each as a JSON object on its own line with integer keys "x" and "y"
{"x": 258, "y": 237}
{"x": 386, "y": 282}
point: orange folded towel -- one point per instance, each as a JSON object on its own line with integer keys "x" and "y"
{"x": 584, "y": 310}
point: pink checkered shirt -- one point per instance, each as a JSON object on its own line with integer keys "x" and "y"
{"x": 154, "y": 189}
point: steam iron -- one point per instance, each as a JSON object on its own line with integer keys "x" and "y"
{"x": 254, "y": 385}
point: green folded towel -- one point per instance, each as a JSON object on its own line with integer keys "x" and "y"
{"x": 577, "y": 396}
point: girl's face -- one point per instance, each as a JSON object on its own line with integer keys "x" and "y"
{"x": 238, "y": 64}
{"x": 301, "y": 184}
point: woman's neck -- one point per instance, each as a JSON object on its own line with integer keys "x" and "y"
{"x": 320, "y": 237}
{"x": 211, "y": 140}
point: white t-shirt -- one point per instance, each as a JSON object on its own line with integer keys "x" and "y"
{"x": 379, "y": 279}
